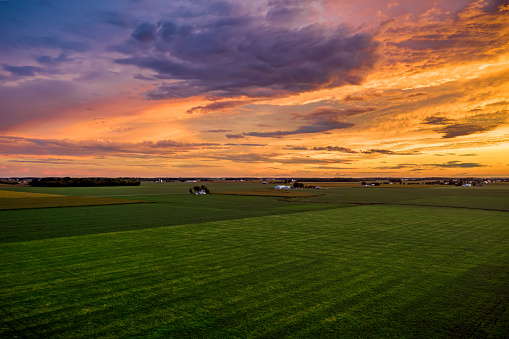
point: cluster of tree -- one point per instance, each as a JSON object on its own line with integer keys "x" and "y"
{"x": 301, "y": 185}
{"x": 83, "y": 182}
{"x": 197, "y": 189}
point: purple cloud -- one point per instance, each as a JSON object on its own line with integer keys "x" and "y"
{"x": 245, "y": 54}
{"x": 25, "y": 71}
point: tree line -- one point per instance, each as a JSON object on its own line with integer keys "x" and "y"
{"x": 83, "y": 182}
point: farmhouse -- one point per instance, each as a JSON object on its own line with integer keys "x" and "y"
{"x": 282, "y": 187}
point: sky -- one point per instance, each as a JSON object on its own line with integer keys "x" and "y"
{"x": 263, "y": 88}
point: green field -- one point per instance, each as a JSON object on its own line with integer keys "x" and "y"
{"x": 353, "y": 262}
{"x": 13, "y": 200}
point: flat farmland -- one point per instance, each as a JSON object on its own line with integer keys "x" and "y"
{"x": 353, "y": 262}
{"x": 13, "y": 200}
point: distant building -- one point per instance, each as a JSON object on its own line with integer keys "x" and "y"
{"x": 282, "y": 187}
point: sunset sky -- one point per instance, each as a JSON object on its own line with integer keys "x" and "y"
{"x": 254, "y": 88}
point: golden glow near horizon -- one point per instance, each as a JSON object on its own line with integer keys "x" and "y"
{"x": 325, "y": 89}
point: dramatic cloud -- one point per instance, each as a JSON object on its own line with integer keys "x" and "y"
{"x": 383, "y": 79}
{"x": 247, "y": 53}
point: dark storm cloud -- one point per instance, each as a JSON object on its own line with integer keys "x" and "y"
{"x": 321, "y": 119}
{"x": 241, "y": 53}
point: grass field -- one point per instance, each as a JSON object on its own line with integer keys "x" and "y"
{"x": 354, "y": 262}
{"x": 13, "y": 200}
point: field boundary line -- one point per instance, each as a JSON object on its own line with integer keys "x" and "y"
{"x": 130, "y": 195}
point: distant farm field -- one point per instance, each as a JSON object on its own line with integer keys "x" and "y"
{"x": 20, "y": 200}
{"x": 353, "y": 262}
{"x": 273, "y": 193}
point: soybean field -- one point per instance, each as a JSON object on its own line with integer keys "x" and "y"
{"x": 344, "y": 262}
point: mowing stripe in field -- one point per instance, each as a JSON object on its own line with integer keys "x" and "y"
{"x": 18, "y": 195}
{"x": 369, "y": 271}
